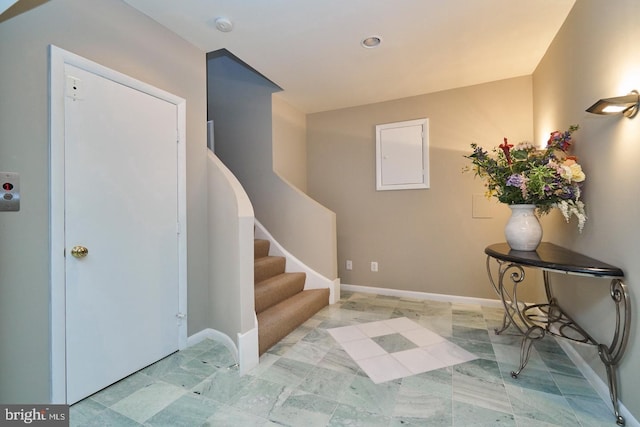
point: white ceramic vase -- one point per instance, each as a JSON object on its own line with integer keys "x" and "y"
{"x": 523, "y": 230}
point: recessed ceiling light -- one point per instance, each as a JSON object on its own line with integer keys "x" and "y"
{"x": 371, "y": 42}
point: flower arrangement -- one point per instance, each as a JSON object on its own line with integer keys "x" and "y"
{"x": 522, "y": 174}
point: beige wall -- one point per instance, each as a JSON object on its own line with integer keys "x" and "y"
{"x": 114, "y": 35}
{"x": 423, "y": 240}
{"x": 289, "y": 143}
{"x": 597, "y": 55}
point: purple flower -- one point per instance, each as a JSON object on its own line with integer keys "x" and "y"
{"x": 567, "y": 193}
{"x": 515, "y": 180}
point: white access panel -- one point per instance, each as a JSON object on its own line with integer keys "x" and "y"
{"x": 402, "y": 160}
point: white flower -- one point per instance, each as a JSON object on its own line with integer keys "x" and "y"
{"x": 572, "y": 171}
{"x": 570, "y": 208}
{"x": 525, "y": 145}
{"x": 576, "y": 173}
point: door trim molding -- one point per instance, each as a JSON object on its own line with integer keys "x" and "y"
{"x": 57, "y": 59}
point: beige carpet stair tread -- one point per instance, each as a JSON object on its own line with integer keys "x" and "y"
{"x": 276, "y": 289}
{"x": 281, "y": 303}
{"x": 278, "y": 321}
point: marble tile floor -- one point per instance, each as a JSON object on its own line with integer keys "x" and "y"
{"x": 309, "y": 379}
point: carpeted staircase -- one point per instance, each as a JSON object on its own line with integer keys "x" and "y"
{"x": 281, "y": 302}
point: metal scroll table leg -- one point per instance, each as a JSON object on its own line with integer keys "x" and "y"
{"x": 506, "y": 318}
{"x": 534, "y": 333}
{"x": 613, "y": 383}
{"x": 509, "y": 299}
{"x": 505, "y": 324}
{"x": 513, "y": 311}
{"x": 612, "y": 354}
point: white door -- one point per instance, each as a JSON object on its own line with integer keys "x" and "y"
{"x": 121, "y": 204}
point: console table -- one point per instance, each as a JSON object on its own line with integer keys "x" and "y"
{"x": 533, "y": 321}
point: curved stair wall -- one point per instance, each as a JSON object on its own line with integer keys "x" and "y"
{"x": 231, "y": 281}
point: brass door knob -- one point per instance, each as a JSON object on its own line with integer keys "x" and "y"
{"x": 79, "y": 251}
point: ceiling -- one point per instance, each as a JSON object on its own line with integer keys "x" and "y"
{"x": 311, "y": 48}
{"x": 11, "y": 8}
{"x": 6, "y": 4}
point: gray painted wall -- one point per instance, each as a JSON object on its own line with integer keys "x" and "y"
{"x": 239, "y": 103}
{"x": 117, "y": 36}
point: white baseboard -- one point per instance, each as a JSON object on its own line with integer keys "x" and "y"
{"x": 246, "y": 356}
{"x": 249, "y": 353}
{"x": 596, "y": 382}
{"x": 421, "y": 295}
{"x": 216, "y": 336}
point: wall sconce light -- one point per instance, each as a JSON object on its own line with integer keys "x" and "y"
{"x": 627, "y": 105}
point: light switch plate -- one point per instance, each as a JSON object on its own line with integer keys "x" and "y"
{"x": 482, "y": 207}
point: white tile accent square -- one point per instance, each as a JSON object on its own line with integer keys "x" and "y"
{"x": 384, "y": 368}
{"x": 363, "y": 349}
{"x": 346, "y": 334}
{"x": 401, "y": 324}
{"x": 422, "y": 337}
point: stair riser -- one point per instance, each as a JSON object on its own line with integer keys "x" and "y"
{"x": 260, "y": 248}
{"x": 267, "y": 267}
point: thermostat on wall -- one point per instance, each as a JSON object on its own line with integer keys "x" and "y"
{"x": 9, "y": 192}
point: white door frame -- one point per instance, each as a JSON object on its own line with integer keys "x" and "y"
{"x": 57, "y": 60}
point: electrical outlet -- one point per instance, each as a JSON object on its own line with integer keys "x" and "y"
{"x": 349, "y": 265}
{"x": 374, "y": 266}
